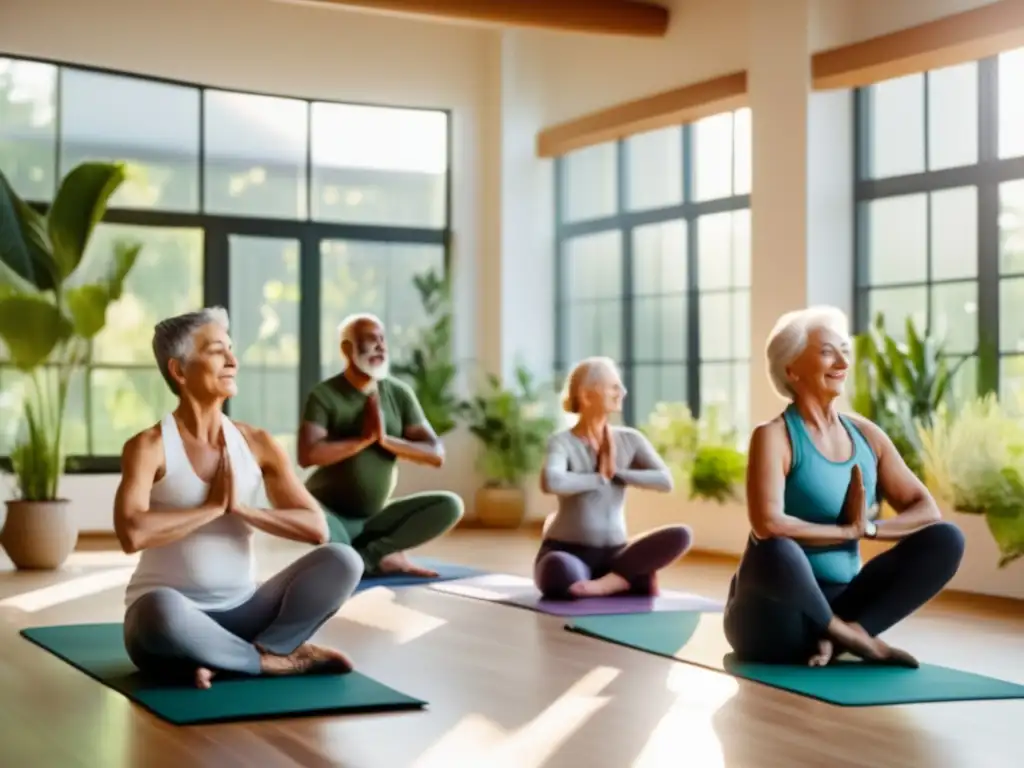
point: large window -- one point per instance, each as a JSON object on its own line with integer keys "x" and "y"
{"x": 940, "y": 202}
{"x": 290, "y": 213}
{"x": 653, "y": 264}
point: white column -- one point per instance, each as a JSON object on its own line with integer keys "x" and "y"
{"x": 802, "y": 184}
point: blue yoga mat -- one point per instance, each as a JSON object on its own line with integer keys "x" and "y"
{"x": 445, "y": 572}
{"x": 852, "y": 684}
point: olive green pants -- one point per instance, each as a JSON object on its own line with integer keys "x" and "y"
{"x": 404, "y": 523}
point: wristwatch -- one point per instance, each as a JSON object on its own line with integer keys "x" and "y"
{"x": 870, "y": 530}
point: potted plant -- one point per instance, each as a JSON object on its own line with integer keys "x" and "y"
{"x": 430, "y": 368}
{"x": 48, "y": 318}
{"x": 513, "y": 429}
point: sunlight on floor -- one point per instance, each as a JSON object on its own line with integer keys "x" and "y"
{"x": 376, "y": 608}
{"x": 100, "y": 558}
{"x": 477, "y": 741}
{"x": 66, "y": 591}
{"x": 700, "y": 694}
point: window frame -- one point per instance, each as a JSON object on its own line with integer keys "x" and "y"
{"x": 218, "y": 228}
{"x": 625, "y": 221}
{"x": 986, "y": 176}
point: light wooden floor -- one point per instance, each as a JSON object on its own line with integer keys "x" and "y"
{"x": 506, "y": 688}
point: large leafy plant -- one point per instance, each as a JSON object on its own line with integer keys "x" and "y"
{"x": 973, "y": 461}
{"x": 513, "y": 426}
{"x": 49, "y": 314}
{"x": 901, "y": 385}
{"x": 702, "y": 453}
{"x": 430, "y": 368}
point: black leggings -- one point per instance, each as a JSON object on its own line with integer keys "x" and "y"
{"x": 777, "y": 612}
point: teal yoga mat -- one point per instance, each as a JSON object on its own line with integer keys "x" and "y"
{"x": 697, "y": 638}
{"x": 98, "y": 650}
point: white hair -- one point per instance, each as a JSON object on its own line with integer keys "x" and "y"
{"x": 788, "y": 340}
{"x": 585, "y": 373}
{"x": 174, "y": 338}
{"x": 347, "y": 327}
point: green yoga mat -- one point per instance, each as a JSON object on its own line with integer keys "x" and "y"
{"x": 98, "y": 650}
{"x": 697, "y": 638}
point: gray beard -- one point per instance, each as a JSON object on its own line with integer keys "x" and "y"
{"x": 375, "y": 372}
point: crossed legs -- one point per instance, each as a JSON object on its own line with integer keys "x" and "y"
{"x": 778, "y": 613}
{"x": 167, "y": 634}
{"x": 564, "y": 571}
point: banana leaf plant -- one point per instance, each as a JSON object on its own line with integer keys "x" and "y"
{"x": 48, "y": 316}
{"x": 901, "y": 385}
{"x": 430, "y": 368}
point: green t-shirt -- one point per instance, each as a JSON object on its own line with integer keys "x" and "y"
{"x": 361, "y": 485}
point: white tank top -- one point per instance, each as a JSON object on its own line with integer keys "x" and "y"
{"x": 213, "y": 566}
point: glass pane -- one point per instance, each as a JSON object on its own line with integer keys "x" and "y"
{"x": 964, "y": 386}
{"x": 150, "y": 124}
{"x": 1011, "y": 381}
{"x": 714, "y": 251}
{"x": 1011, "y": 318}
{"x": 1011, "y": 103}
{"x": 15, "y": 386}
{"x": 896, "y": 129}
{"x": 167, "y": 280}
{"x": 954, "y": 225}
{"x": 716, "y": 326}
{"x": 653, "y": 384}
{"x": 268, "y": 397}
{"x": 897, "y": 239}
{"x": 740, "y": 409}
{"x": 716, "y": 386}
{"x": 741, "y": 248}
{"x": 360, "y": 276}
{"x": 1011, "y": 227}
{"x": 255, "y": 155}
{"x": 741, "y": 324}
{"x": 955, "y": 316}
{"x": 659, "y": 258}
{"x": 590, "y": 183}
{"x": 742, "y": 152}
{"x": 124, "y": 402}
{"x": 712, "y": 157}
{"x": 594, "y": 328}
{"x": 897, "y": 304}
{"x": 593, "y": 265}
{"x": 655, "y": 163}
{"x": 28, "y": 127}
{"x": 659, "y": 329}
{"x": 953, "y": 116}
{"x": 377, "y": 165}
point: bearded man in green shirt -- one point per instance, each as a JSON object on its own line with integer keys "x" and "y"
{"x": 355, "y": 427}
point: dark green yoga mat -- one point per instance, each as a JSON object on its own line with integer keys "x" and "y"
{"x": 98, "y": 650}
{"x": 697, "y": 638}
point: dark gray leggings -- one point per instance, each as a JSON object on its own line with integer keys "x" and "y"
{"x": 777, "y": 612}
{"x": 561, "y": 564}
{"x": 166, "y": 634}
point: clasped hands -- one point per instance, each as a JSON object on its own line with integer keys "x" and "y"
{"x": 222, "y": 488}
{"x": 855, "y": 507}
{"x": 373, "y": 421}
{"x": 604, "y": 445}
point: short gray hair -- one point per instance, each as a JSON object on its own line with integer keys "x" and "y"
{"x": 788, "y": 340}
{"x": 347, "y": 327}
{"x": 173, "y": 338}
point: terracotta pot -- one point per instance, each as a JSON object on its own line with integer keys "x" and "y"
{"x": 39, "y": 535}
{"x": 500, "y": 507}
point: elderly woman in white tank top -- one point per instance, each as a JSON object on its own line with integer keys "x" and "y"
{"x": 585, "y": 550}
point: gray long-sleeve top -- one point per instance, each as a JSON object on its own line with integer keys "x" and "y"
{"x": 591, "y": 508}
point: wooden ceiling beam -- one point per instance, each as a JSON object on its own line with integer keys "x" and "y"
{"x": 607, "y": 17}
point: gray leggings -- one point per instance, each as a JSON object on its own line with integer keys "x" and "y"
{"x": 167, "y": 634}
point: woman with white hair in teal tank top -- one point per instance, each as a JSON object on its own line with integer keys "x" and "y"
{"x": 800, "y": 593}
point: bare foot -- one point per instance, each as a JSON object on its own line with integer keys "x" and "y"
{"x": 857, "y": 641}
{"x": 609, "y": 584}
{"x": 307, "y": 659}
{"x": 398, "y": 562}
{"x": 824, "y": 654}
{"x": 204, "y": 677}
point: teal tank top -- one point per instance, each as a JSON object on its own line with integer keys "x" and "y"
{"x": 816, "y": 489}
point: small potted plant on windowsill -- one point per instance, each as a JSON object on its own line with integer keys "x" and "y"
{"x": 48, "y": 318}
{"x": 513, "y": 428}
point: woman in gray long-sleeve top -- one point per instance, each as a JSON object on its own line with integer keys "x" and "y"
{"x": 585, "y": 550}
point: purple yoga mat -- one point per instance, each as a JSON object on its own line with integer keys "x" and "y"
{"x": 520, "y": 592}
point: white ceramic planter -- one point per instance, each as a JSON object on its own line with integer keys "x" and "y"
{"x": 979, "y": 570}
